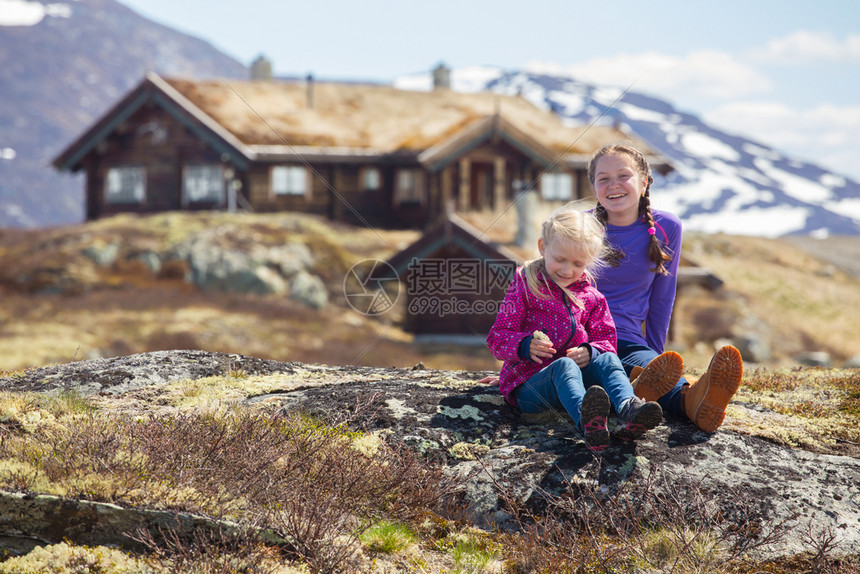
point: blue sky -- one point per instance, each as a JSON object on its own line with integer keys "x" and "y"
{"x": 783, "y": 72}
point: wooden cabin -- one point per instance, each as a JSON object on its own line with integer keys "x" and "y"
{"x": 366, "y": 154}
{"x": 455, "y": 280}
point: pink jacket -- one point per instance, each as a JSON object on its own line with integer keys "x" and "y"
{"x": 568, "y": 326}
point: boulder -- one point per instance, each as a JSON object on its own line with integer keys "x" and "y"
{"x": 501, "y": 455}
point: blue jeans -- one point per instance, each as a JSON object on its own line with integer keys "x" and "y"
{"x": 634, "y": 354}
{"x": 562, "y": 384}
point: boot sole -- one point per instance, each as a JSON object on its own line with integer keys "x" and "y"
{"x": 646, "y": 419}
{"x": 595, "y": 405}
{"x": 725, "y": 375}
{"x": 659, "y": 377}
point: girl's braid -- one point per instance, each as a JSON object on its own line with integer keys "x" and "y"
{"x": 658, "y": 256}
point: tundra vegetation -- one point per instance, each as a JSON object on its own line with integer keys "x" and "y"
{"x": 290, "y": 491}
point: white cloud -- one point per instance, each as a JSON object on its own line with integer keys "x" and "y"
{"x": 699, "y": 74}
{"x": 805, "y": 47}
{"x": 826, "y": 134}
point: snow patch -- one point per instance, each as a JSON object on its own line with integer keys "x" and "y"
{"x": 797, "y": 187}
{"x": 848, "y": 207}
{"x": 415, "y": 83}
{"x": 832, "y": 180}
{"x": 762, "y": 222}
{"x": 703, "y": 145}
{"x": 572, "y": 104}
{"x": 473, "y": 79}
{"x": 24, "y": 13}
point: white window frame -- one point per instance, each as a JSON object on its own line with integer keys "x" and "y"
{"x": 409, "y": 186}
{"x": 203, "y": 183}
{"x": 125, "y": 185}
{"x": 289, "y": 180}
{"x": 556, "y": 186}
{"x": 371, "y": 178}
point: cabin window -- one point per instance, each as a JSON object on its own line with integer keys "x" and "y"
{"x": 410, "y": 186}
{"x": 371, "y": 179}
{"x": 556, "y": 186}
{"x": 289, "y": 180}
{"x": 125, "y": 185}
{"x": 202, "y": 183}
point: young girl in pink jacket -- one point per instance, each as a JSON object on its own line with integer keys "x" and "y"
{"x": 557, "y": 338}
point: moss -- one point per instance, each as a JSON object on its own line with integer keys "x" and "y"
{"x": 466, "y": 412}
{"x": 67, "y": 558}
{"x": 468, "y": 451}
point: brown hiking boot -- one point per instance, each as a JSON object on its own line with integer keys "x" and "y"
{"x": 659, "y": 377}
{"x": 705, "y": 401}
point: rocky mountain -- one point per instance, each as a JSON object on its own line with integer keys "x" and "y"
{"x": 721, "y": 183}
{"x": 65, "y": 64}
{"x": 62, "y": 65}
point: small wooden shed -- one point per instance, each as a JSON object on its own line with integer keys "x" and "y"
{"x": 455, "y": 280}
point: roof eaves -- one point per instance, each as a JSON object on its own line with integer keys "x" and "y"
{"x": 174, "y": 96}
{"x": 171, "y": 100}
{"x": 325, "y": 154}
{"x": 441, "y": 154}
{"x": 69, "y": 159}
{"x": 464, "y": 236}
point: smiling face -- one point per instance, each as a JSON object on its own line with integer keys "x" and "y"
{"x": 618, "y": 186}
{"x": 564, "y": 260}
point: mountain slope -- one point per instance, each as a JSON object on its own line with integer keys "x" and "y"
{"x": 722, "y": 183}
{"x": 60, "y": 72}
{"x": 63, "y": 69}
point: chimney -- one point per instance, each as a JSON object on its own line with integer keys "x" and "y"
{"x": 442, "y": 77}
{"x": 310, "y": 86}
{"x": 261, "y": 69}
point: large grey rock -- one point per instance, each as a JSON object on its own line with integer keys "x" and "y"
{"x": 309, "y": 290}
{"x": 482, "y": 440}
{"x": 217, "y": 264}
{"x": 814, "y": 359}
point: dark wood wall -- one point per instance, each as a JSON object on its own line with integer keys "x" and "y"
{"x": 153, "y": 139}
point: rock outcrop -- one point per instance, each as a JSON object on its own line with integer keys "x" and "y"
{"x": 468, "y": 427}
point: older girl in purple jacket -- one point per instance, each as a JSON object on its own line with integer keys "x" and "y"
{"x": 557, "y": 338}
{"x": 640, "y": 288}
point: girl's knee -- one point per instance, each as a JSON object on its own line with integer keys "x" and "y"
{"x": 608, "y": 360}
{"x": 565, "y": 364}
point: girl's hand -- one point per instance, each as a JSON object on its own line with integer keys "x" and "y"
{"x": 491, "y": 380}
{"x": 539, "y": 350}
{"x": 580, "y": 355}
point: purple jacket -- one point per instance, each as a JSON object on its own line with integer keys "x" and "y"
{"x": 568, "y": 326}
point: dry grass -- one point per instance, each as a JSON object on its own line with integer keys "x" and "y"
{"x": 375, "y": 116}
{"x": 326, "y": 496}
{"x": 794, "y": 301}
{"x": 801, "y": 303}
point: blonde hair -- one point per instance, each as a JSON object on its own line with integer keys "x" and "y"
{"x": 656, "y": 252}
{"x": 578, "y": 228}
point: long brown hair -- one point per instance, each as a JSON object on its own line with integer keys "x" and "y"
{"x": 658, "y": 255}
